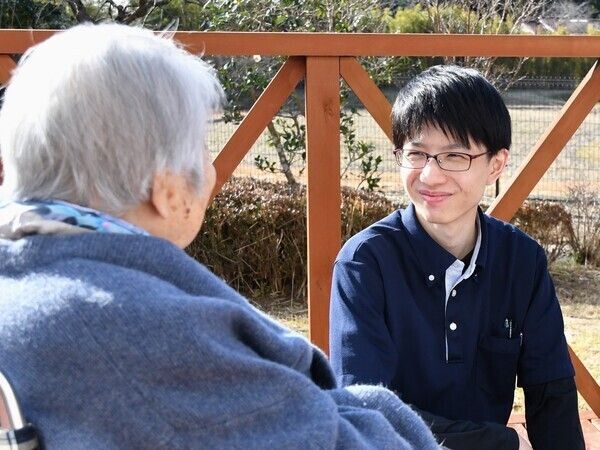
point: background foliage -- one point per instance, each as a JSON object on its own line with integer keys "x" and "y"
{"x": 548, "y": 223}
{"x": 254, "y": 235}
{"x": 256, "y": 229}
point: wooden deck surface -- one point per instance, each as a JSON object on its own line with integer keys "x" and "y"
{"x": 590, "y": 424}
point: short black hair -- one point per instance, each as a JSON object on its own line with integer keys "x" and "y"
{"x": 457, "y": 100}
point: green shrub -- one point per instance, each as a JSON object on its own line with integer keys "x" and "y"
{"x": 548, "y": 223}
{"x": 254, "y": 235}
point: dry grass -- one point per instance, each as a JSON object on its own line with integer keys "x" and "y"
{"x": 578, "y": 289}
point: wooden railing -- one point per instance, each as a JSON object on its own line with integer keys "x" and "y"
{"x": 321, "y": 59}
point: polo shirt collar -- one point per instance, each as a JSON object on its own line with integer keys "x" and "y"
{"x": 432, "y": 257}
{"x": 483, "y": 232}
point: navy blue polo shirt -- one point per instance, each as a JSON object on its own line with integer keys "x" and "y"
{"x": 454, "y": 350}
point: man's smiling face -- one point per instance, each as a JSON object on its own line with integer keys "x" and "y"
{"x": 448, "y": 198}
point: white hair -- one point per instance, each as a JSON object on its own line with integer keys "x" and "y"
{"x": 93, "y": 113}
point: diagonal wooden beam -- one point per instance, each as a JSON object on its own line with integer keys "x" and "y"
{"x": 6, "y": 67}
{"x": 533, "y": 168}
{"x": 549, "y": 146}
{"x": 368, "y": 93}
{"x": 586, "y": 383}
{"x": 259, "y": 116}
{"x": 324, "y": 228}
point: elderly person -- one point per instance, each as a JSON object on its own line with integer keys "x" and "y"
{"x": 111, "y": 336}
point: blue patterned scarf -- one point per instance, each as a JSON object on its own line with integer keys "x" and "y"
{"x": 24, "y": 218}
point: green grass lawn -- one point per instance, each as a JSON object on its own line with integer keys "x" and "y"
{"x": 578, "y": 289}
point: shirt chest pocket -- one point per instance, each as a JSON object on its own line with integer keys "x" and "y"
{"x": 496, "y": 364}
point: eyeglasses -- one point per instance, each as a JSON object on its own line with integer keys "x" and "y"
{"x": 450, "y": 161}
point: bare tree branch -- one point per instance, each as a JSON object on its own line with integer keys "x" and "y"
{"x": 484, "y": 17}
{"x": 281, "y": 154}
{"x": 79, "y": 11}
{"x": 114, "y": 11}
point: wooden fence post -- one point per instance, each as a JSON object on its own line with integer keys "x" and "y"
{"x": 323, "y": 192}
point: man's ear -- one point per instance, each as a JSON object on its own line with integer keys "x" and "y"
{"x": 497, "y": 164}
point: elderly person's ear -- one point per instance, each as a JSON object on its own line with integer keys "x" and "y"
{"x": 174, "y": 209}
{"x": 171, "y": 195}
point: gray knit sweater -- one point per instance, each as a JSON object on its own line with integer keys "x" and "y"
{"x": 122, "y": 341}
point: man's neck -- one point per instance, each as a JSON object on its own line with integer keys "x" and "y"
{"x": 457, "y": 238}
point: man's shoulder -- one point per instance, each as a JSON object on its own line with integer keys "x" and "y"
{"x": 505, "y": 237}
{"x": 374, "y": 237}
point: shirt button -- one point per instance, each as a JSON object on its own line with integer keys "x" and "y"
{"x": 453, "y": 326}
{"x": 453, "y": 292}
{"x": 431, "y": 278}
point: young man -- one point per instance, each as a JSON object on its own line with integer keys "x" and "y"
{"x": 444, "y": 304}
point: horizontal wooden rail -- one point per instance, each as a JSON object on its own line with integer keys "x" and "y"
{"x": 18, "y": 41}
{"x": 354, "y": 44}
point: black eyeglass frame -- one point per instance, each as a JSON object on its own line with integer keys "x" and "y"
{"x": 399, "y": 151}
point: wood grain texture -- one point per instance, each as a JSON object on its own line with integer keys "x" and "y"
{"x": 323, "y": 191}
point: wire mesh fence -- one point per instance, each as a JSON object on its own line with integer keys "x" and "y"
{"x": 533, "y": 104}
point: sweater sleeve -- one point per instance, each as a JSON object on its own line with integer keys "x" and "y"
{"x": 401, "y": 417}
{"x": 219, "y": 374}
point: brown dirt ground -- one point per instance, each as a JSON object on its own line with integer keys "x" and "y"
{"x": 576, "y": 284}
